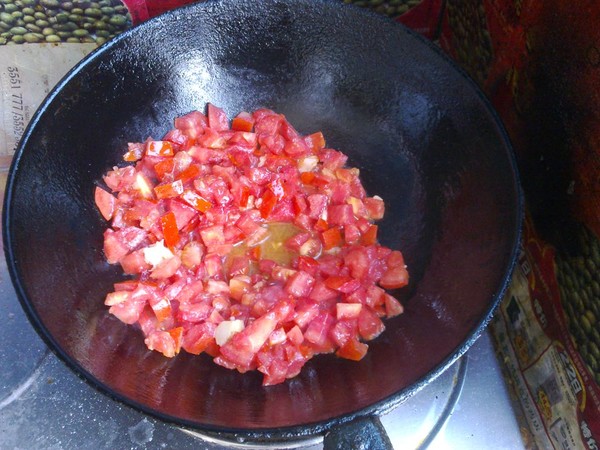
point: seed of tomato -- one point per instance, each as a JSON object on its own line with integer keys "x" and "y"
{"x": 169, "y": 228}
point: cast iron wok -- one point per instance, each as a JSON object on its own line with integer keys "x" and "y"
{"x": 423, "y": 136}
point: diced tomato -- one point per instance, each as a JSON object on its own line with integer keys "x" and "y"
{"x": 295, "y": 335}
{"x": 348, "y": 310}
{"x": 114, "y": 298}
{"x": 322, "y": 294}
{"x": 243, "y": 122}
{"x": 134, "y": 262}
{"x": 353, "y": 350}
{"x": 196, "y": 201}
{"x": 197, "y": 216}
{"x": 370, "y": 237}
{"x": 374, "y": 296}
{"x": 369, "y": 324}
{"x": 273, "y": 143}
{"x": 342, "y": 284}
{"x": 134, "y": 153}
{"x": 166, "y": 269}
{"x": 269, "y": 124}
{"x": 392, "y": 306}
{"x": 170, "y": 230}
{"x": 189, "y": 174}
{"x": 192, "y": 125}
{"x": 198, "y": 337}
{"x": 295, "y": 148}
{"x": 332, "y": 159}
{"x": 300, "y": 284}
{"x": 217, "y": 119}
{"x": 343, "y": 331}
{"x": 163, "y": 342}
{"x": 396, "y": 276}
{"x": 269, "y": 200}
{"x": 211, "y": 139}
{"x": 119, "y": 179}
{"x": 331, "y": 238}
{"x": 183, "y": 213}
{"x": 159, "y": 148}
{"x": 315, "y": 141}
{"x": 213, "y": 235}
{"x": 105, "y": 202}
{"x": 117, "y": 244}
{"x": 161, "y": 308}
{"x": 128, "y": 311}
{"x": 317, "y": 203}
{"x": 165, "y": 169}
{"x": 176, "y": 137}
{"x": 169, "y": 190}
{"x": 395, "y": 259}
{"x": 375, "y": 207}
{"x": 317, "y": 332}
{"x": 340, "y": 214}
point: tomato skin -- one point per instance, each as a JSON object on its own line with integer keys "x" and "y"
{"x": 196, "y": 216}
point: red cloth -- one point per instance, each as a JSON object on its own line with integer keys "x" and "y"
{"x": 142, "y": 10}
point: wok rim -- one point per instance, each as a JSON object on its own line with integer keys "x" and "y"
{"x": 298, "y": 430}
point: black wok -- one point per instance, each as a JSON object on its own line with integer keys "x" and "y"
{"x": 424, "y": 137}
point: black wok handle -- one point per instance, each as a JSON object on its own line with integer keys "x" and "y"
{"x": 364, "y": 433}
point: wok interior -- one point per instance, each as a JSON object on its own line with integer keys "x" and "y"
{"x": 423, "y": 138}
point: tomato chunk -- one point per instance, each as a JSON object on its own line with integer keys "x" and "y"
{"x": 159, "y": 148}
{"x": 105, "y": 202}
{"x": 170, "y": 230}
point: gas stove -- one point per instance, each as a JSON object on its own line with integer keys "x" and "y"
{"x": 44, "y": 405}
